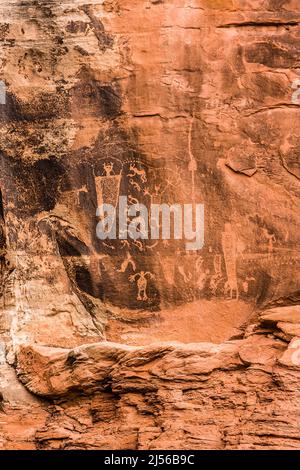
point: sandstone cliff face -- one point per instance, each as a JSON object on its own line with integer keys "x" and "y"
{"x": 183, "y": 101}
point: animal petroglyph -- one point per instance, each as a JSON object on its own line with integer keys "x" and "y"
{"x": 135, "y": 185}
{"x": 134, "y": 171}
{"x": 192, "y": 166}
{"x": 270, "y": 238}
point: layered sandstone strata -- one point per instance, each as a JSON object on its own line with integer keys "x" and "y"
{"x": 103, "y": 344}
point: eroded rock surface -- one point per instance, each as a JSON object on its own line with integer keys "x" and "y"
{"x": 201, "y": 396}
{"x": 143, "y": 344}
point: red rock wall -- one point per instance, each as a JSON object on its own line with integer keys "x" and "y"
{"x": 103, "y": 344}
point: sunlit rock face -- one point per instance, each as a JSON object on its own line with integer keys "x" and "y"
{"x": 182, "y": 102}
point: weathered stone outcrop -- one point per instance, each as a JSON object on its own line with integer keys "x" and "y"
{"x": 238, "y": 395}
{"x": 141, "y": 344}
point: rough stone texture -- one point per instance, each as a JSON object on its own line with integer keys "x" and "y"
{"x": 143, "y": 344}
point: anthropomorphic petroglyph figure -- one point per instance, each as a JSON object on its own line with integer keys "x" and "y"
{"x": 142, "y": 284}
{"x": 200, "y": 273}
{"x": 271, "y": 239}
{"x": 229, "y": 245}
{"x": 214, "y": 284}
{"x": 218, "y": 264}
{"x": 216, "y": 279}
{"x": 199, "y": 263}
{"x": 246, "y": 283}
{"x": 200, "y": 283}
{"x": 108, "y": 186}
{"x": 136, "y": 172}
{"x": 108, "y": 168}
{"x": 129, "y": 261}
{"x": 231, "y": 289}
